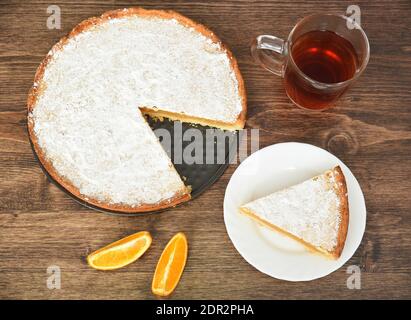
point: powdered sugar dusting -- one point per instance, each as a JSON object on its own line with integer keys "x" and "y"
{"x": 87, "y": 119}
{"x": 309, "y": 210}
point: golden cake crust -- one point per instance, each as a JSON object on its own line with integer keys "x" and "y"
{"x": 38, "y": 88}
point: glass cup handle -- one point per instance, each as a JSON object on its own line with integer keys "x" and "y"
{"x": 268, "y": 51}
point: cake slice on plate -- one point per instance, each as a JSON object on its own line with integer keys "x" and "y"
{"x": 87, "y": 106}
{"x": 314, "y": 212}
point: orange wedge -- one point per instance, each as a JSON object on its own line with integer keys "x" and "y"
{"x": 120, "y": 253}
{"x": 170, "y": 266}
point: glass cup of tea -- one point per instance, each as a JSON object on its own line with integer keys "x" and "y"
{"x": 323, "y": 55}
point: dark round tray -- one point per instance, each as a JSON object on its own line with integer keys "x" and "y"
{"x": 200, "y": 176}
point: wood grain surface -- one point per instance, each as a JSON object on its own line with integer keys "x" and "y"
{"x": 370, "y": 130}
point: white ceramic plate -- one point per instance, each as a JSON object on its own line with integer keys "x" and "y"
{"x": 271, "y": 169}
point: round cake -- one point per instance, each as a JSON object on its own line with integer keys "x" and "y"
{"x": 87, "y": 104}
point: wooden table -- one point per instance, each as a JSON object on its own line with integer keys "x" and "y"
{"x": 370, "y": 131}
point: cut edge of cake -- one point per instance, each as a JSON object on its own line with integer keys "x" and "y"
{"x": 38, "y": 87}
{"x": 160, "y": 114}
{"x": 340, "y": 189}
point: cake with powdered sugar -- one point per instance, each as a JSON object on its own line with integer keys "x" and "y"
{"x": 87, "y": 105}
{"x": 314, "y": 212}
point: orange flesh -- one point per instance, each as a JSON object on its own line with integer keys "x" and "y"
{"x": 170, "y": 266}
{"x": 120, "y": 253}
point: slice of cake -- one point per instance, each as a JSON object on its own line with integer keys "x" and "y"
{"x": 90, "y": 94}
{"x": 314, "y": 212}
